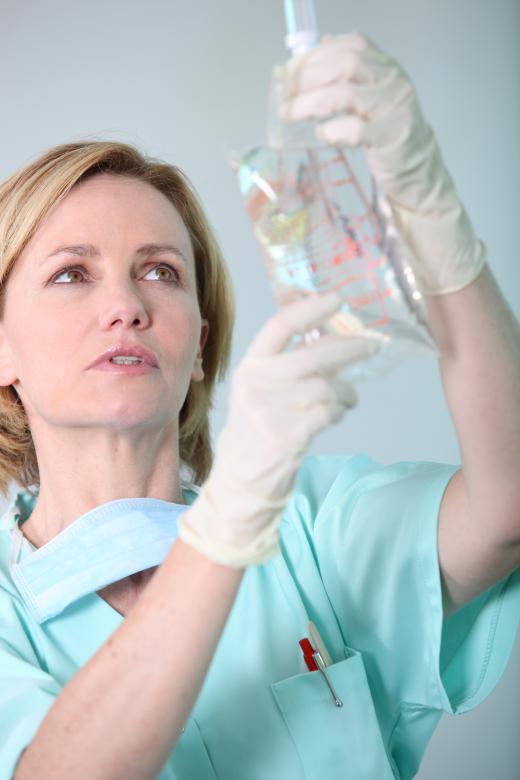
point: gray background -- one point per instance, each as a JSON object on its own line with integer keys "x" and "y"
{"x": 187, "y": 82}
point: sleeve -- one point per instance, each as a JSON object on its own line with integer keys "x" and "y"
{"x": 375, "y": 533}
{"x": 27, "y": 691}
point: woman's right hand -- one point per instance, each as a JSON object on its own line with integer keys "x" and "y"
{"x": 279, "y": 401}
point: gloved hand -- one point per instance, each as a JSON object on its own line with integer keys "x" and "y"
{"x": 279, "y": 401}
{"x": 379, "y": 110}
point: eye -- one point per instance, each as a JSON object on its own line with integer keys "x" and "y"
{"x": 170, "y": 268}
{"x": 79, "y": 269}
{"x": 67, "y": 269}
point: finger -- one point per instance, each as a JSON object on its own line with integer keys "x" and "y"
{"x": 318, "y": 103}
{"x": 329, "y": 359}
{"x": 321, "y": 390}
{"x": 337, "y": 412}
{"x": 293, "y": 318}
{"x": 345, "y": 392}
{"x": 308, "y": 393}
{"x": 322, "y": 416}
{"x": 350, "y": 130}
{"x": 369, "y": 123}
{"x": 324, "y": 65}
{"x": 355, "y": 40}
{"x": 343, "y": 95}
{"x": 332, "y": 61}
{"x": 326, "y": 357}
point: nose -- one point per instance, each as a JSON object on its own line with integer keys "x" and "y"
{"x": 125, "y": 305}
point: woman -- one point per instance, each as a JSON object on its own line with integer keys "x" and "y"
{"x": 132, "y": 650}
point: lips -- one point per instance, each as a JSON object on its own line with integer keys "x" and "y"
{"x": 130, "y": 350}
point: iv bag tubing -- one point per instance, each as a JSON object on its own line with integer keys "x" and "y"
{"x": 302, "y": 30}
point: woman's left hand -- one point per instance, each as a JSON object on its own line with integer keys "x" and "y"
{"x": 361, "y": 96}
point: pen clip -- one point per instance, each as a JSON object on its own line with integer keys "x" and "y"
{"x": 315, "y": 662}
{"x": 321, "y": 666}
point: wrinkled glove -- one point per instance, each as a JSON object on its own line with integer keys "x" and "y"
{"x": 376, "y": 106}
{"x": 279, "y": 401}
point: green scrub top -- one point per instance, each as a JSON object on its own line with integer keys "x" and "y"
{"x": 359, "y": 558}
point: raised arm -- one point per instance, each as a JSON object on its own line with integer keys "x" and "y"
{"x": 376, "y": 107}
{"x": 479, "y": 522}
{"x": 122, "y": 713}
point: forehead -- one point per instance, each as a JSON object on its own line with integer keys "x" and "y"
{"x": 131, "y": 209}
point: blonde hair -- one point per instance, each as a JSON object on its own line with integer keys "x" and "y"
{"x": 26, "y": 197}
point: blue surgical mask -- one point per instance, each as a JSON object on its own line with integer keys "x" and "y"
{"x": 102, "y": 546}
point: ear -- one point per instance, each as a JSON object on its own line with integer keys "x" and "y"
{"x": 7, "y": 374}
{"x": 197, "y": 374}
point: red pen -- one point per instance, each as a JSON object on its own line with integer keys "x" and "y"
{"x": 315, "y": 662}
{"x": 308, "y": 654}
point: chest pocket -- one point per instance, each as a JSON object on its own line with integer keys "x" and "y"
{"x": 334, "y": 742}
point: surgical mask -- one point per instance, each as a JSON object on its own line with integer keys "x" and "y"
{"x": 102, "y": 546}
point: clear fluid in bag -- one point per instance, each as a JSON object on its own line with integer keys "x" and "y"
{"x": 320, "y": 231}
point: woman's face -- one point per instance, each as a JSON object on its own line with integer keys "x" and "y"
{"x": 57, "y": 322}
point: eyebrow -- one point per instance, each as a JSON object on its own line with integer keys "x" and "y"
{"x": 88, "y": 250}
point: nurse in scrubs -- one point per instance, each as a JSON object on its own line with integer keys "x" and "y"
{"x": 166, "y": 613}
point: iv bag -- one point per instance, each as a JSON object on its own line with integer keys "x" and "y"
{"x": 323, "y": 224}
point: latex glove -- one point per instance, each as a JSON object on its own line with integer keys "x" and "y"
{"x": 279, "y": 401}
{"x": 379, "y": 110}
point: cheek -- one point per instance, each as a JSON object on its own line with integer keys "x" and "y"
{"x": 46, "y": 385}
{"x": 184, "y": 330}
{"x": 43, "y": 353}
